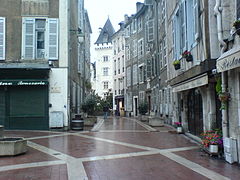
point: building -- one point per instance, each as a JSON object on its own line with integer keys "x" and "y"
{"x": 228, "y": 66}
{"x": 104, "y": 60}
{"x": 39, "y": 79}
{"x": 118, "y": 40}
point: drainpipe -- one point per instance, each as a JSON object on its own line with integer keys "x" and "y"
{"x": 217, "y": 10}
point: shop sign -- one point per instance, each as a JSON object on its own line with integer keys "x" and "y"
{"x": 228, "y": 62}
{"x": 22, "y": 83}
{"x": 192, "y": 83}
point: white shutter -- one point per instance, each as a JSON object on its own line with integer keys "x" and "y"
{"x": 190, "y": 23}
{"x": 2, "y": 38}
{"x": 28, "y": 38}
{"x": 52, "y": 39}
{"x": 196, "y": 18}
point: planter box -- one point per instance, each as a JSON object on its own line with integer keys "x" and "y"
{"x": 154, "y": 121}
{"x": 177, "y": 66}
{"x": 1, "y": 131}
{"x": 213, "y": 149}
{"x": 143, "y": 118}
{"x": 12, "y": 146}
{"x": 90, "y": 121}
{"x": 179, "y": 130}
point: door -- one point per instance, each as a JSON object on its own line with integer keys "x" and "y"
{"x": 195, "y": 112}
{"x": 28, "y": 108}
{"x": 136, "y": 106}
{"x": 2, "y": 106}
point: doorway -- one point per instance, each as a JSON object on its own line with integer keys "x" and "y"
{"x": 195, "y": 112}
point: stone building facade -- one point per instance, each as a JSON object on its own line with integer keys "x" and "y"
{"x": 118, "y": 40}
{"x": 40, "y": 84}
{"x": 194, "y": 35}
{"x": 103, "y": 64}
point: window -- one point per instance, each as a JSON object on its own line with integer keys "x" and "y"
{"x": 134, "y": 25}
{"x": 105, "y": 58}
{"x": 238, "y": 9}
{"x": 128, "y": 76}
{"x": 127, "y": 54}
{"x": 141, "y": 73}
{"x": 150, "y": 34}
{"x": 105, "y": 71}
{"x": 134, "y": 48}
{"x": 185, "y": 26}
{"x": 2, "y": 38}
{"x": 119, "y": 65}
{"x": 115, "y": 67}
{"x": 135, "y": 76}
{"x": 105, "y": 85}
{"x": 149, "y": 68}
{"x": 141, "y": 96}
{"x": 140, "y": 20}
{"x": 40, "y": 38}
{"x": 140, "y": 48}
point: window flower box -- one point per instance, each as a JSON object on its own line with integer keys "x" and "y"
{"x": 176, "y": 64}
{"x": 188, "y": 56}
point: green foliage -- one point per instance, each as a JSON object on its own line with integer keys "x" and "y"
{"x": 236, "y": 23}
{"x": 176, "y": 62}
{"x": 89, "y": 104}
{"x": 88, "y": 85}
{"x": 109, "y": 100}
{"x": 219, "y": 86}
{"x": 143, "y": 108}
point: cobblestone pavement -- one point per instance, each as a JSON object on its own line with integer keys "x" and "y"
{"x": 116, "y": 149}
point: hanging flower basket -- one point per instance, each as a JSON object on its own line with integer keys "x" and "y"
{"x": 188, "y": 56}
{"x": 224, "y": 97}
{"x": 176, "y": 64}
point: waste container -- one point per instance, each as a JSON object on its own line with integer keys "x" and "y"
{"x": 77, "y": 123}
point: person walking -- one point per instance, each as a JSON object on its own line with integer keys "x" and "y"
{"x": 105, "y": 110}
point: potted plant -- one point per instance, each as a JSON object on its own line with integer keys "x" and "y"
{"x": 176, "y": 64}
{"x": 212, "y": 140}
{"x": 179, "y": 127}
{"x": 187, "y": 55}
{"x": 236, "y": 24}
{"x": 143, "y": 109}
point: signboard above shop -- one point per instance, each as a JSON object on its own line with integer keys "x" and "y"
{"x": 229, "y": 60}
{"x": 23, "y": 82}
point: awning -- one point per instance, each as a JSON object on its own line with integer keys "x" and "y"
{"x": 229, "y": 60}
{"x": 191, "y": 83}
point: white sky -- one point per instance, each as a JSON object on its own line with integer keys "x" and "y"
{"x": 99, "y": 10}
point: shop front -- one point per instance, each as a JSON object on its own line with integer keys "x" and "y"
{"x": 24, "y": 102}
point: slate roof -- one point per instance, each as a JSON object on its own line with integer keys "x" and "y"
{"x": 106, "y": 33}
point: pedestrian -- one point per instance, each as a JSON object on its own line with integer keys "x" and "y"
{"x": 105, "y": 110}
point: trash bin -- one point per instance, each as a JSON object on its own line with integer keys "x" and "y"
{"x": 77, "y": 123}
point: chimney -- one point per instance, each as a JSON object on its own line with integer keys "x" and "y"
{"x": 139, "y": 5}
{"x": 126, "y": 18}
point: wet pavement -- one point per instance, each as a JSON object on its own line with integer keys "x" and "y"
{"x": 116, "y": 149}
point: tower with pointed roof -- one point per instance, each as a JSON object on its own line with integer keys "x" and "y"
{"x": 104, "y": 60}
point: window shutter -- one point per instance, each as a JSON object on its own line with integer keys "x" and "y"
{"x": 2, "y": 38}
{"x": 28, "y": 38}
{"x": 190, "y": 22}
{"x": 196, "y": 19}
{"x": 52, "y": 39}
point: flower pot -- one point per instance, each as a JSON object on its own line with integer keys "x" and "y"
{"x": 213, "y": 148}
{"x": 179, "y": 130}
{"x": 177, "y": 66}
{"x": 189, "y": 58}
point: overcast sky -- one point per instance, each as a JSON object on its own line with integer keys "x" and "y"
{"x": 99, "y": 10}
